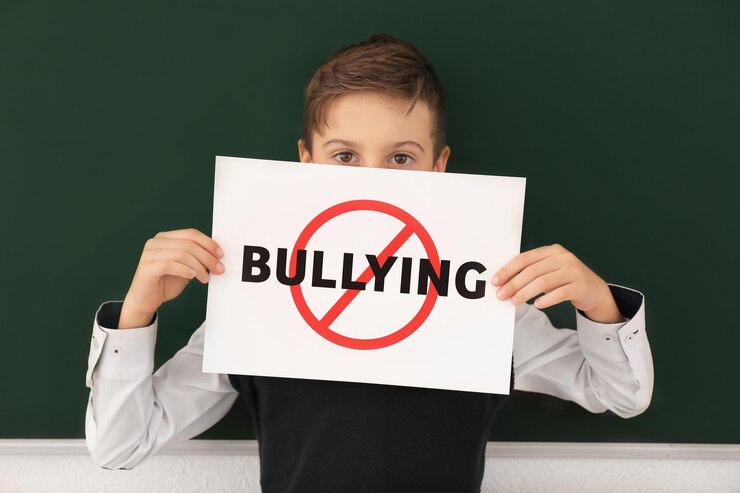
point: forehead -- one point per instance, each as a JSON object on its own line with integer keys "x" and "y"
{"x": 371, "y": 116}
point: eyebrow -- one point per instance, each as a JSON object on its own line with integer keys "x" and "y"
{"x": 341, "y": 142}
{"x": 354, "y": 144}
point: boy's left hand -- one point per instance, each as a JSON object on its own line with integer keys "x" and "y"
{"x": 562, "y": 276}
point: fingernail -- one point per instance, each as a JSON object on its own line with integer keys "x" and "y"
{"x": 220, "y": 267}
{"x": 220, "y": 252}
{"x": 501, "y": 294}
{"x": 495, "y": 280}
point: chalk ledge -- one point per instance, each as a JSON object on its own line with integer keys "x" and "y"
{"x": 494, "y": 449}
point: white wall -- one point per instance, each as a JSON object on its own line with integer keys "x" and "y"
{"x": 213, "y": 466}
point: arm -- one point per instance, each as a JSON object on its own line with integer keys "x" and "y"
{"x": 600, "y": 366}
{"x": 132, "y": 413}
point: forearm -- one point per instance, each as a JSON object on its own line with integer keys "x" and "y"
{"x": 600, "y": 366}
{"x": 607, "y": 311}
{"x": 133, "y": 413}
{"x": 131, "y": 318}
{"x": 119, "y": 422}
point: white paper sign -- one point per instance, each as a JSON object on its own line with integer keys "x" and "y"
{"x": 362, "y": 274}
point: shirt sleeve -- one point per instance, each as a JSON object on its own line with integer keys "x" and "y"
{"x": 599, "y": 366}
{"x": 133, "y": 413}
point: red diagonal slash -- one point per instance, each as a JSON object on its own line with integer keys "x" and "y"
{"x": 368, "y": 274}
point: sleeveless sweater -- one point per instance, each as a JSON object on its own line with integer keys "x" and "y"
{"x": 331, "y": 436}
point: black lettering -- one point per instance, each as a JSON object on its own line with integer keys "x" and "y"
{"x": 406, "y": 275}
{"x": 282, "y": 267}
{"x": 427, "y": 272}
{"x": 381, "y": 272}
{"x": 255, "y": 268}
{"x": 347, "y": 282}
{"x": 249, "y": 263}
{"x": 480, "y": 285}
{"x": 318, "y": 265}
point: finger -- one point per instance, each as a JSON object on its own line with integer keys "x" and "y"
{"x": 170, "y": 267}
{"x": 181, "y": 256}
{"x": 542, "y": 284}
{"x": 554, "y": 297}
{"x": 193, "y": 234}
{"x": 521, "y": 261}
{"x": 209, "y": 261}
{"x": 547, "y": 264}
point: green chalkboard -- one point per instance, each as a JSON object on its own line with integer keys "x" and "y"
{"x": 624, "y": 117}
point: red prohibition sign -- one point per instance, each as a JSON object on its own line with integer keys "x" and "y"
{"x": 323, "y": 326}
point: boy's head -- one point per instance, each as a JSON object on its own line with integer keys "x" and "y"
{"x": 377, "y": 103}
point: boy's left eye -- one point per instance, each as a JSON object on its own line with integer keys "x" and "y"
{"x": 401, "y": 158}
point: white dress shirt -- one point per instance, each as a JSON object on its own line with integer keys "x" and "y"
{"x": 133, "y": 412}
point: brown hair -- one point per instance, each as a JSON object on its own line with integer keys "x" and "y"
{"x": 380, "y": 63}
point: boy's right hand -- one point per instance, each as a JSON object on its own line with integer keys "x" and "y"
{"x": 169, "y": 261}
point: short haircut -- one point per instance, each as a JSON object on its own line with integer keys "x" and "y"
{"x": 380, "y": 63}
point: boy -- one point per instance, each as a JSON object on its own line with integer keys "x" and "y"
{"x": 380, "y": 104}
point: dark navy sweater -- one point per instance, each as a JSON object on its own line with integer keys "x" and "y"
{"x": 330, "y": 436}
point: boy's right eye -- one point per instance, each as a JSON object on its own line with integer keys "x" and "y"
{"x": 344, "y": 157}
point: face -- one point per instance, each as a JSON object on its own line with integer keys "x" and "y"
{"x": 369, "y": 129}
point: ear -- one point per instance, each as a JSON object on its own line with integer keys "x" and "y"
{"x": 441, "y": 163}
{"x": 303, "y": 153}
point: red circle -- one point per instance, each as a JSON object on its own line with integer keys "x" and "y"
{"x": 323, "y": 329}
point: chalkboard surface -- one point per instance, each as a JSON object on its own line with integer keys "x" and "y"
{"x": 623, "y": 116}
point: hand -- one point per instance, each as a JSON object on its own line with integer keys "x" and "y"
{"x": 169, "y": 261}
{"x": 559, "y": 274}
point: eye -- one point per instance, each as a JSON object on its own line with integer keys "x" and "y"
{"x": 401, "y": 159}
{"x": 344, "y": 157}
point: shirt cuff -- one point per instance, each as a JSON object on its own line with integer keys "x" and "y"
{"x": 615, "y": 341}
{"x": 120, "y": 354}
